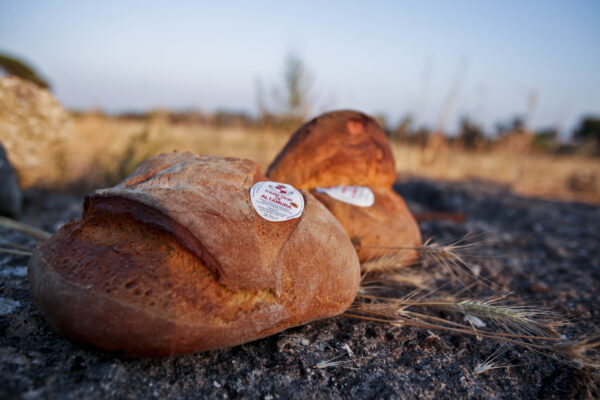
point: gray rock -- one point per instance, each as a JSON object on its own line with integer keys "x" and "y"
{"x": 34, "y": 128}
{"x": 7, "y": 306}
{"x": 10, "y": 194}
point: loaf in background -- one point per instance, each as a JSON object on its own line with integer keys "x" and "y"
{"x": 350, "y": 148}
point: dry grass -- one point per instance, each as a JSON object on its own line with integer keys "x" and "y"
{"x": 523, "y": 326}
{"x": 102, "y": 150}
{"x": 385, "y": 296}
{"x": 34, "y": 232}
{"x": 8, "y": 250}
{"x": 525, "y": 171}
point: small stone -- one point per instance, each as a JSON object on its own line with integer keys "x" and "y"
{"x": 348, "y": 350}
{"x": 8, "y": 306}
{"x": 34, "y": 128}
{"x": 15, "y": 271}
{"x": 475, "y": 321}
{"x": 538, "y": 287}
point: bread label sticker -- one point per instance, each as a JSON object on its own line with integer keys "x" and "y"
{"x": 360, "y": 196}
{"x": 276, "y": 201}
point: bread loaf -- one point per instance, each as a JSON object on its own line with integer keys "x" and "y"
{"x": 336, "y": 148}
{"x": 349, "y": 148}
{"x": 175, "y": 259}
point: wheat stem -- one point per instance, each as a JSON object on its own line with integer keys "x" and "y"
{"x": 15, "y": 251}
{"x": 32, "y": 231}
{"x": 13, "y": 245}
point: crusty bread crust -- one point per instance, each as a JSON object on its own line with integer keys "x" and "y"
{"x": 336, "y": 148}
{"x": 142, "y": 274}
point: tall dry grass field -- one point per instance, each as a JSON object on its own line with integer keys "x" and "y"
{"x": 527, "y": 172}
{"x": 103, "y": 150}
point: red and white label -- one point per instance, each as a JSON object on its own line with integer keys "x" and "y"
{"x": 276, "y": 201}
{"x": 360, "y": 196}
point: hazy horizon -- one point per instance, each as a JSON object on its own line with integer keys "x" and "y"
{"x": 495, "y": 60}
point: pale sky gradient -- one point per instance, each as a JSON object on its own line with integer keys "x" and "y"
{"x": 380, "y": 56}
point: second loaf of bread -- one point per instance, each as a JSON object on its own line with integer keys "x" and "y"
{"x": 349, "y": 148}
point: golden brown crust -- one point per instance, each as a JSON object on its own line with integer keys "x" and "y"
{"x": 336, "y": 148}
{"x": 209, "y": 197}
{"x": 375, "y": 230}
{"x": 129, "y": 277}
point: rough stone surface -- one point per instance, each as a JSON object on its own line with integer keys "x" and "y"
{"x": 10, "y": 194}
{"x": 546, "y": 251}
{"x": 34, "y": 128}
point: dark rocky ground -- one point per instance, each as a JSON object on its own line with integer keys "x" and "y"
{"x": 547, "y": 252}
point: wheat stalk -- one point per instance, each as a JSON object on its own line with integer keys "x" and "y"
{"x": 450, "y": 255}
{"x": 15, "y": 251}
{"x": 32, "y": 231}
{"x": 519, "y": 318}
{"x": 13, "y": 245}
{"x": 525, "y": 326}
{"x": 584, "y": 352}
{"x": 387, "y": 263}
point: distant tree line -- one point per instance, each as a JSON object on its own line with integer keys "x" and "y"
{"x": 472, "y": 136}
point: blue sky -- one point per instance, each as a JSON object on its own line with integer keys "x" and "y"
{"x": 391, "y": 57}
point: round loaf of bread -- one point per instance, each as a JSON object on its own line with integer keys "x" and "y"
{"x": 176, "y": 260}
{"x": 336, "y": 148}
{"x": 350, "y": 148}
